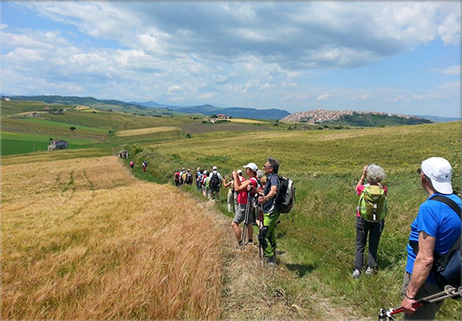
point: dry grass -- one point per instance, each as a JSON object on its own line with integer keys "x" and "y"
{"x": 247, "y": 121}
{"x": 145, "y": 131}
{"x": 82, "y": 239}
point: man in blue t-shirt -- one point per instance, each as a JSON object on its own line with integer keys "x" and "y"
{"x": 435, "y": 229}
{"x": 267, "y": 235}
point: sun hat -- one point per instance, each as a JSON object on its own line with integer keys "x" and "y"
{"x": 439, "y": 171}
{"x": 252, "y": 166}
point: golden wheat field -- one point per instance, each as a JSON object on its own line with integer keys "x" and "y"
{"x": 82, "y": 239}
{"x": 145, "y": 131}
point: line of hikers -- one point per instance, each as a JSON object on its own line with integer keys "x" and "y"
{"x": 251, "y": 199}
{"x": 434, "y": 242}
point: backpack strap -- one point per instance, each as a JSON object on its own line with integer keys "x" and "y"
{"x": 443, "y": 199}
{"x": 449, "y": 202}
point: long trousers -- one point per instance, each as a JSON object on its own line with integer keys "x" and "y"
{"x": 363, "y": 230}
{"x": 267, "y": 235}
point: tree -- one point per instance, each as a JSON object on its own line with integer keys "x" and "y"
{"x": 72, "y": 128}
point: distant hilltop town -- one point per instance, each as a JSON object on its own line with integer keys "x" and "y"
{"x": 319, "y": 116}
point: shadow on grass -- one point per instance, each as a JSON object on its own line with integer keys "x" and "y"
{"x": 301, "y": 269}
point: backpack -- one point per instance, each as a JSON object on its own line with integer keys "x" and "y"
{"x": 188, "y": 177}
{"x": 447, "y": 266}
{"x": 177, "y": 176}
{"x": 372, "y": 204}
{"x": 285, "y": 195}
{"x": 214, "y": 180}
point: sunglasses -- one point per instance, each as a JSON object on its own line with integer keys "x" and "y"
{"x": 269, "y": 166}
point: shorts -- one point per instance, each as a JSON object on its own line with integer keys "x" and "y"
{"x": 215, "y": 189}
{"x": 240, "y": 214}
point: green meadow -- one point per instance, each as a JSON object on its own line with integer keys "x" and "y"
{"x": 316, "y": 240}
{"x": 325, "y": 166}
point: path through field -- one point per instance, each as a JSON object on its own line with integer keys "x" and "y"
{"x": 83, "y": 239}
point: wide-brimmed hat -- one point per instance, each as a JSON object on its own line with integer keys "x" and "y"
{"x": 439, "y": 171}
{"x": 252, "y": 166}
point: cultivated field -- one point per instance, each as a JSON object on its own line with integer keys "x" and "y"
{"x": 145, "y": 131}
{"x": 82, "y": 239}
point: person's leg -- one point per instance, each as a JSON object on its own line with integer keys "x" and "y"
{"x": 238, "y": 218}
{"x": 361, "y": 236}
{"x": 266, "y": 236}
{"x": 427, "y": 311}
{"x": 375, "y": 231}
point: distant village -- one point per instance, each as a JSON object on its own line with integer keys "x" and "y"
{"x": 318, "y": 116}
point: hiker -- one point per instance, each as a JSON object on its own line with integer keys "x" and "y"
{"x": 182, "y": 176}
{"x": 434, "y": 231}
{"x": 205, "y": 178}
{"x": 145, "y": 164}
{"x": 188, "y": 176}
{"x": 132, "y": 164}
{"x": 259, "y": 212}
{"x": 230, "y": 196}
{"x": 366, "y": 226}
{"x": 267, "y": 236}
{"x": 176, "y": 178}
{"x": 198, "y": 174}
{"x": 243, "y": 201}
{"x": 215, "y": 183}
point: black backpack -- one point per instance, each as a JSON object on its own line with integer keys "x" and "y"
{"x": 285, "y": 195}
{"x": 447, "y": 267}
{"x": 214, "y": 180}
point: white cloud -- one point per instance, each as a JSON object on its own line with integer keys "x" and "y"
{"x": 453, "y": 70}
{"x": 205, "y": 96}
{"x": 323, "y": 96}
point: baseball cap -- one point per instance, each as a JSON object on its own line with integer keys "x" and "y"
{"x": 252, "y": 166}
{"x": 214, "y": 168}
{"x": 439, "y": 171}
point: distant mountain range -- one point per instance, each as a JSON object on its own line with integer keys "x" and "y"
{"x": 235, "y": 112}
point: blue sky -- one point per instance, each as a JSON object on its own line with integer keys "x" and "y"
{"x": 397, "y": 57}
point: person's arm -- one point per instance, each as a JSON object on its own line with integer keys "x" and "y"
{"x": 361, "y": 180}
{"x": 271, "y": 194}
{"x": 422, "y": 267}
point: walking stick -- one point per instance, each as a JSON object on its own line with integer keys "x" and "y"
{"x": 246, "y": 220}
{"x": 449, "y": 292}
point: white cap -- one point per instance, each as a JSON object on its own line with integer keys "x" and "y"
{"x": 252, "y": 166}
{"x": 214, "y": 168}
{"x": 439, "y": 171}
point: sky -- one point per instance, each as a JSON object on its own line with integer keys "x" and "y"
{"x": 396, "y": 57}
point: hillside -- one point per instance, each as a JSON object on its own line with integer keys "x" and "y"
{"x": 354, "y": 118}
{"x": 108, "y": 105}
{"x": 235, "y": 112}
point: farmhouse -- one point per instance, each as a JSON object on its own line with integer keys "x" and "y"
{"x": 58, "y": 144}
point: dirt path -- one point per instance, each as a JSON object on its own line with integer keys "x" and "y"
{"x": 255, "y": 291}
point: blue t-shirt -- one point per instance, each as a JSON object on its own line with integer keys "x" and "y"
{"x": 439, "y": 221}
{"x": 271, "y": 180}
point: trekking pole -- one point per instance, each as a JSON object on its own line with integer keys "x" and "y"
{"x": 246, "y": 220}
{"x": 260, "y": 225}
{"x": 449, "y": 292}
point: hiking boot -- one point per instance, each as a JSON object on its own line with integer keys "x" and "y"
{"x": 369, "y": 270}
{"x": 272, "y": 261}
{"x": 356, "y": 274}
{"x": 240, "y": 245}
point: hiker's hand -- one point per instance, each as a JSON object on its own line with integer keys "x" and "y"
{"x": 262, "y": 199}
{"x": 234, "y": 173}
{"x": 407, "y": 306}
